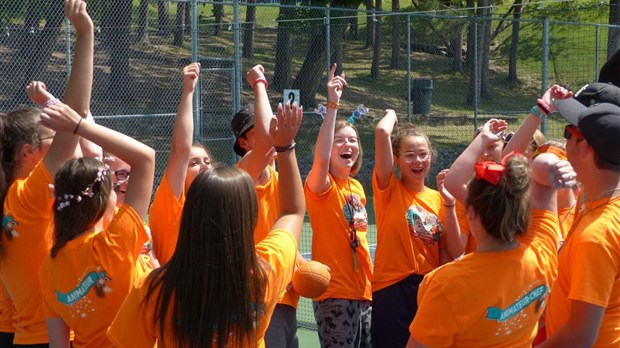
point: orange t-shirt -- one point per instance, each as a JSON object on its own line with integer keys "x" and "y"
{"x": 6, "y": 311}
{"x": 490, "y": 299}
{"x": 409, "y": 232}
{"x": 589, "y": 270}
{"x": 268, "y": 213}
{"x": 165, "y": 220}
{"x": 135, "y": 325}
{"x": 566, "y": 216}
{"x": 28, "y": 213}
{"x": 88, "y": 280}
{"x": 461, "y": 215}
{"x": 330, "y": 214}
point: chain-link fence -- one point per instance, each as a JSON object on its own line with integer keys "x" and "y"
{"x": 447, "y": 72}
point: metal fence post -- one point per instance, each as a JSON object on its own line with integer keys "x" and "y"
{"x": 68, "y": 46}
{"x": 237, "y": 64}
{"x": 328, "y": 31}
{"x": 545, "y": 66}
{"x": 409, "y": 68}
{"x": 196, "y": 98}
{"x": 476, "y": 72}
{"x": 597, "y": 33}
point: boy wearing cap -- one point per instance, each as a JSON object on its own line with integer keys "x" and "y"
{"x": 253, "y": 143}
{"x": 584, "y": 303}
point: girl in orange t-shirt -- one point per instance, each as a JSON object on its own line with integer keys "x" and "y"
{"x": 417, "y": 228}
{"x": 91, "y": 267}
{"x": 185, "y": 162}
{"x": 218, "y": 289}
{"x": 336, "y": 208}
{"x": 495, "y": 295}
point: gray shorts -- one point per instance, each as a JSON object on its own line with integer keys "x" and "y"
{"x": 343, "y": 323}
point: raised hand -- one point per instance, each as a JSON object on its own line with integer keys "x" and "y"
{"x": 448, "y": 199}
{"x": 75, "y": 11}
{"x": 555, "y": 92}
{"x": 37, "y": 92}
{"x": 493, "y": 130}
{"x": 284, "y": 129}
{"x": 562, "y": 175}
{"x": 335, "y": 85}
{"x": 190, "y": 76}
{"x": 257, "y": 73}
{"x": 61, "y": 118}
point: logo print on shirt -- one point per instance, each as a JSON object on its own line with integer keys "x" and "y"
{"x": 79, "y": 304}
{"x": 354, "y": 207}
{"x": 8, "y": 226}
{"x": 423, "y": 225}
{"x": 514, "y": 316}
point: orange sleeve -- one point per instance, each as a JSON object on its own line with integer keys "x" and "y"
{"x": 164, "y": 220}
{"x": 279, "y": 249}
{"x": 33, "y": 197}
{"x": 125, "y": 235}
{"x": 543, "y": 232}
{"x": 134, "y": 324}
{"x": 434, "y": 323}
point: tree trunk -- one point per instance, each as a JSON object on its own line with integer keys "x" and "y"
{"x": 613, "y": 35}
{"x": 179, "y": 27}
{"x": 284, "y": 48}
{"x": 188, "y": 18}
{"x": 248, "y": 30}
{"x": 163, "y": 21}
{"x": 44, "y": 40}
{"x": 218, "y": 13}
{"x": 469, "y": 57}
{"x": 33, "y": 15}
{"x": 117, "y": 35}
{"x": 485, "y": 90}
{"x": 370, "y": 27}
{"x": 456, "y": 48}
{"x": 395, "y": 62}
{"x": 376, "y": 52}
{"x": 143, "y": 21}
{"x": 354, "y": 28}
{"x": 514, "y": 45}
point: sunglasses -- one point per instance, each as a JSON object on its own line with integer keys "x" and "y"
{"x": 122, "y": 175}
{"x": 572, "y": 131}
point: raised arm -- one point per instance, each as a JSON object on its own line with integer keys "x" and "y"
{"x": 384, "y": 158}
{"x": 140, "y": 157}
{"x": 463, "y": 168}
{"x": 254, "y": 162}
{"x": 290, "y": 188}
{"x": 318, "y": 178}
{"x": 183, "y": 132}
{"x": 455, "y": 240}
{"x": 523, "y": 135}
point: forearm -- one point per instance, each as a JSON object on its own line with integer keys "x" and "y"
{"x": 262, "y": 118}
{"x": 462, "y": 169}
{"x": 183, "y": 131}
{"x": 455, "y": 240}
{"x": 523, "y": 136}
{"x": 79, "y": 86}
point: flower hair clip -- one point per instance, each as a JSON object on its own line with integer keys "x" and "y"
{"x": 358, "y": 114}
{"x": 321, "y": 110}
{"x": 65, "y": 199}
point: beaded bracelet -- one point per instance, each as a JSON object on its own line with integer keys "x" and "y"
{"x": 332, "y": 105}
{"x": 261, "y": 80}
{"x": 49, "y": 102}
{"x": 286, "y": 148}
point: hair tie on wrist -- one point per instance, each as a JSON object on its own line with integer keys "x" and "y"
{"x": 450, "y": 206}
{"x": 285, "y": 148}
{"x": 543, "y": 106}
{"x": 77, "y": 126}
{"x": 260, "y": 80}
{"x": 49, "y": 102}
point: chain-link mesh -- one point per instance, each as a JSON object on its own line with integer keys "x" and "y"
{"x": 141, "y": 46}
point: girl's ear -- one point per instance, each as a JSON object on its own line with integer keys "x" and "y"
{"x": 27, "y": 150}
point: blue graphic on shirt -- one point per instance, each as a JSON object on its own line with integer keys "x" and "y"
{"x": 92, "y": 279}
{"x": 355, "y": 212}
{"x": 8, "y": 225}
{"x": 495, "y": 313}
{"x": 423, "y": 225}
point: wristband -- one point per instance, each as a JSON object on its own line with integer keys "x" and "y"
{"x": 534, "y": 110}
{"x": 543, "y": 106}
{"x": 78, "y": 126}
{"x": 260, "y": 80}
{"x": 332, "y": 105}
{"x": 450, "y": 206}
{"x": 49, "y": 102}
{"x": 285, "y": 148}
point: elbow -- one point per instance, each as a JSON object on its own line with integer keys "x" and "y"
{"x": 381, "y": 132}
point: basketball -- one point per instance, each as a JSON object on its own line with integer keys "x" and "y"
{"x": 311, "y": 279}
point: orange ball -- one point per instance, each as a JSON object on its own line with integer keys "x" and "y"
{"x": 311, "y": 279}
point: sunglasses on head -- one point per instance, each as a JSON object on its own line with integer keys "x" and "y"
{"x": 570, "y": 131}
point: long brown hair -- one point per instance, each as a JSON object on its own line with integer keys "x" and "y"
{"x": 214, "y": 280}
{"x": 85, "y": 184}
{"x": 17, "y": 128}
{"x": 504, "y": 209}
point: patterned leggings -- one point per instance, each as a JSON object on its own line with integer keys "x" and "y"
{"x": 343, "y": 323}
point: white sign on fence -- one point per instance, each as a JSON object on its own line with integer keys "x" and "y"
{"x": 291, "y": 95}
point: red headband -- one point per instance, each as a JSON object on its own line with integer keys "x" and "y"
{"x": 492, "y": 172}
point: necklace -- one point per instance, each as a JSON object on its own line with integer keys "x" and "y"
{"x": 354, "y": 240}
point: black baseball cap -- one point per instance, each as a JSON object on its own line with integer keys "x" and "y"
{"x": 242, "y": 122}
{"x": 598, "y": 92}
{"x": 599, "y": 124}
